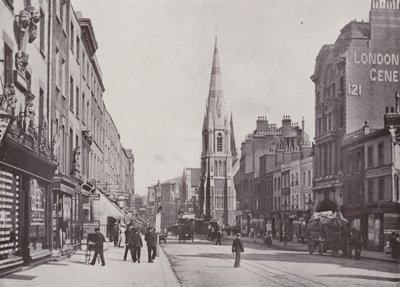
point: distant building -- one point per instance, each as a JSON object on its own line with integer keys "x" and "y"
{"x": 190, "y": 189}
{"x": 268, "y": 183}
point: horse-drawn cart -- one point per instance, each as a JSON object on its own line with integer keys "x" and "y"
{"x": 329, "y": 232}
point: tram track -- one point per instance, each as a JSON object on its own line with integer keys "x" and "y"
{"x": 282, "y": 277}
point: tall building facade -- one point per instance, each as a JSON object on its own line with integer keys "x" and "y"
{"x": 217, "y": 197}
{"x": 355, "y": 79}
{"x": 52, "y": 88}
{"x": 26, "y": 169}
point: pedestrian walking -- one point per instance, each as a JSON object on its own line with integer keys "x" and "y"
{"x": 218, "y": 236}
{"x": 128, "y": 233}
{"x": 121, "y": 235}
{"x": 237, "y": 247}
{"x": 98, "y": 247}
{"x": 395, "y": 245}
{"x": 116, "y": 234}
{"x": 150, "y": 238}
{"x": 136, "y": 245}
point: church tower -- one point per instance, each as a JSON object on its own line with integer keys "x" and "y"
{"x": 217, "y": 197}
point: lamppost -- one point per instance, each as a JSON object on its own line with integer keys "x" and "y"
{"x": 285, "y": 206}
{"x": 158, "y": 217}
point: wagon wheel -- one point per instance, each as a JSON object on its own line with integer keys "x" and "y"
{"x": 321, "y": 248}
{"x": 310, "y": 246}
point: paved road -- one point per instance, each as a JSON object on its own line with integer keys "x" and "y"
{"x": 203, "y": 264}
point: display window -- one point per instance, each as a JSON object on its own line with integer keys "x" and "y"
{"x": 37, "y": 229}
{"x": 10, "y": 184}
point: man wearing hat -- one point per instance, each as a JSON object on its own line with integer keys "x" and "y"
{"x": 237, "y": 247}
{"x": 98, "y": 247}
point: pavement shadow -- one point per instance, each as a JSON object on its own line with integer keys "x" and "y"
{"x": 376, "y": 278}
{"x": 21, "y": 277}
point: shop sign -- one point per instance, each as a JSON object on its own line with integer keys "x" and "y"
{"x": 90, "y": 226}
{"x": 386, "y": 170}
{"x": 94, "y": 196}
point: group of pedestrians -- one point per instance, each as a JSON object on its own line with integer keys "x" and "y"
{"x": 133, "y": 243}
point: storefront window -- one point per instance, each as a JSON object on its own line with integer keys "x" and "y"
{"x": 37, "y": 229}
{"x": 374, "y": 226}
{"x": 9, "y": 195}
{"x": 65, "y": 227}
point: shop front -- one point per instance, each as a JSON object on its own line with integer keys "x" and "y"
{"x": 67, "y": 213}
{"x": 25, "y": 210}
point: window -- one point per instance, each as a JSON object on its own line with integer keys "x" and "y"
{"x": 62, "y": 79}
{"x": 42, "y": 35}
{"x": 78, "y": 44}
{"x": 72, "y": 37}
{"x": 380, "y": 154}
{"x": 341, "y": 84}
{"x": 309, "y": 177}
{"x": 64, "y": 16}
{"x": 71, "y": 94}
{"x": 341, "y": 117}
{"x": 8, "y": 64}
{"x": 349, "y": 164}
{"x": 77, "y": 102}
{"x": 358, "y": 161}
{"x": 58, "y": 10}
{"x": 304, "y": 178}
{"x": 219, "y": 142}
{"x": 381, "y": 189}
{"x": 87, "y": 73}
{"x": 83, "y": 108}
{"x": 41, "y": 107}
{"x": 83, "y": 65}
{"x": 370, "y": 156}
{"x": 370, "y": 191}
{"x": 297, "y": 179}
{"x": 279, "y": 183}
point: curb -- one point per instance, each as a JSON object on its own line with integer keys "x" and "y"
{"x": 170, "y": 278}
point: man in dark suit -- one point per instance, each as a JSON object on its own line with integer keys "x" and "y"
{"x": 136, "y": 245}
{"x": 237, "y": 247}
{"x": 128, "y": 239}
{"x": 151, "y": 239}
{"x": 98, "y": 247}
{"x": 218, "y": 236}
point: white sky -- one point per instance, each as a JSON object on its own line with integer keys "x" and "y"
{"x": 156, "y": 61}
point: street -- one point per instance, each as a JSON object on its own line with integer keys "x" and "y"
{"x": 204, "y": 264}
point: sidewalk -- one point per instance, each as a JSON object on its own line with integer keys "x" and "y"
{"x": 74, "y": 272}
{"x": 303, "y": 247}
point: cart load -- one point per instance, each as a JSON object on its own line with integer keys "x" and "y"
{"x": 329, "y": 230}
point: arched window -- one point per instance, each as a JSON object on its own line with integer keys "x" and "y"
{"x": 216, "y": 168}
{"x": 220, "y": 169}
{"x": 219, "y": 142}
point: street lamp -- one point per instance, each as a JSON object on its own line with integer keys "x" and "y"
{"x": 285, "y": 206}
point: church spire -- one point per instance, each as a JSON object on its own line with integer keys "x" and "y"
{"x": 216, "y": 82}
{"x": 233, "y": 142}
